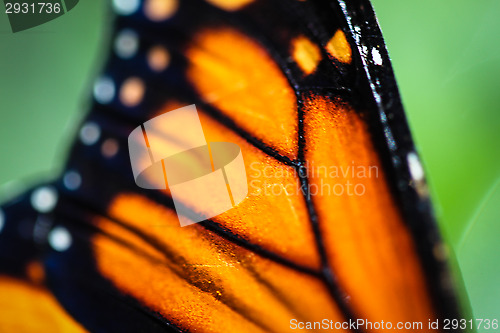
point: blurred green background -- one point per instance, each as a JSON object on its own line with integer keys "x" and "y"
{"x": 446, "y": 58}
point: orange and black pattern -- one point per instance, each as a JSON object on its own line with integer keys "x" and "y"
{"x": 300, "y": 86}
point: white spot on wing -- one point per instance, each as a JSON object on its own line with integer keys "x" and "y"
{"x": 72, "y": 180}
{"x": 126, "y": 7}
{"x": 376, "y": 57}
{"x": 364, "y": 50}
{"x": 90, "y": 133}
{"x": 104, "y": 90}
{"x": 60, "y": 239}
{"x": 126, "y": 44}
{"x": 44, "y": 199}
{"x": 416, "y": 169}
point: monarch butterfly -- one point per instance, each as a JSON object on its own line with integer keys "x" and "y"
{"x": 305, "y": 88}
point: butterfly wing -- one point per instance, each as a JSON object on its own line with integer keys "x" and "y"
{"x": 27, "y": 303}
{"x": 337, "y": 223}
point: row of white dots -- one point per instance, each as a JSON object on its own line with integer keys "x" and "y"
{"x": 154, "y": 10}
{"x": 126, "y": 45}
{"x": 44, "y": 200}
{"x": 131, "y": 92}
{"x": 376, "y": 57}
{"x": 90, "y": 134}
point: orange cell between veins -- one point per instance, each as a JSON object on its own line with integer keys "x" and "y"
{"x": 306, "y": 54}
{"x": 236, "y": 74}
{"x": 338, "y": 47}
{"x": 368, "y": 246}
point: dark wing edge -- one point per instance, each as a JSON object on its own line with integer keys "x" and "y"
{"x": 406, "y": 176}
